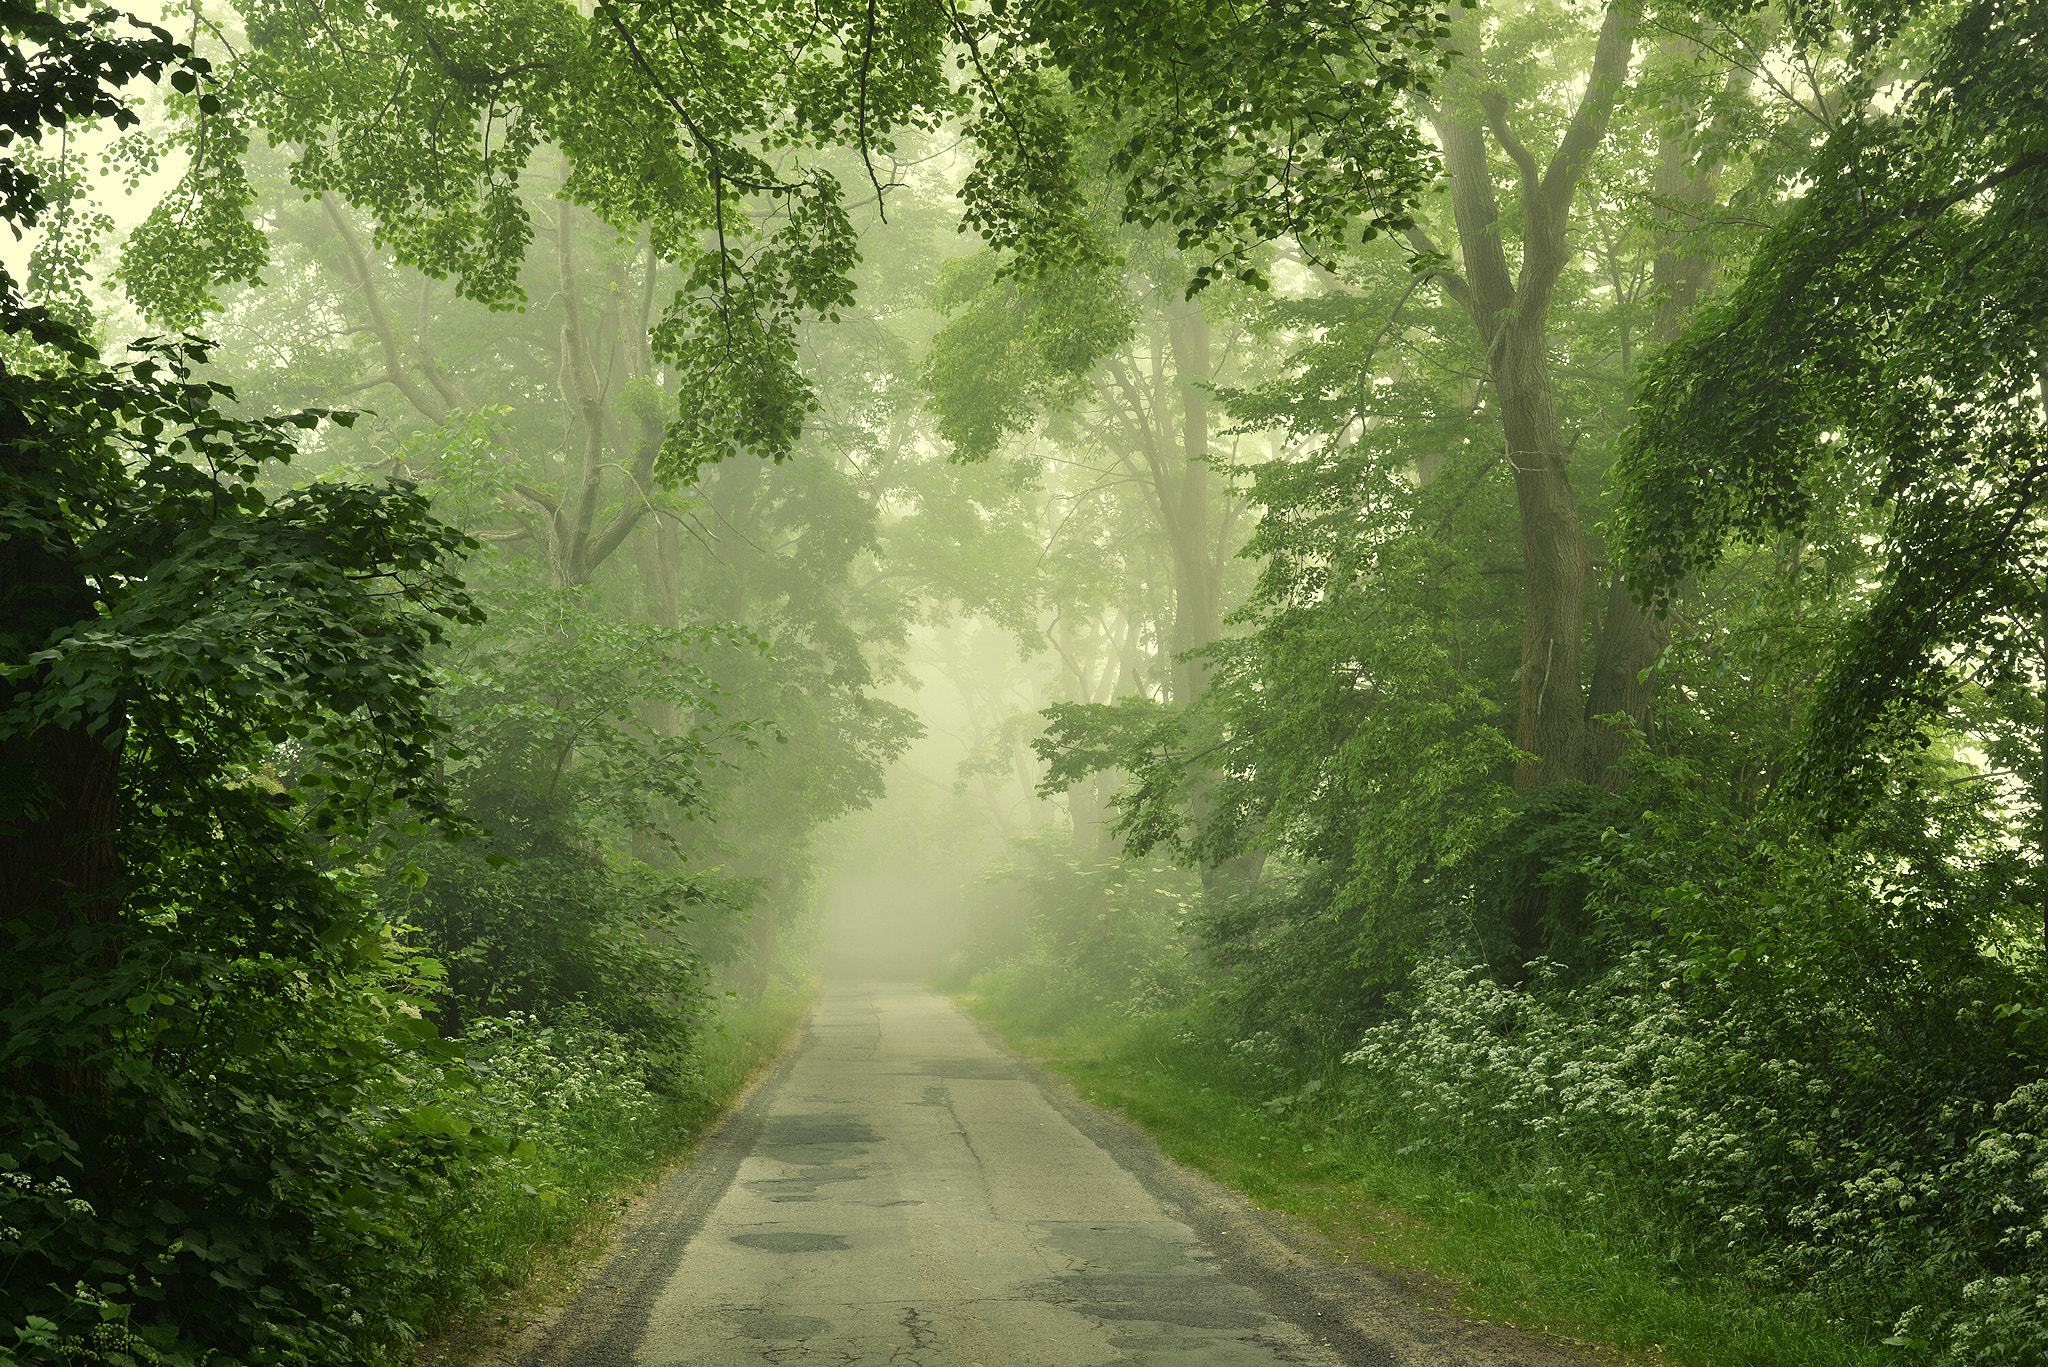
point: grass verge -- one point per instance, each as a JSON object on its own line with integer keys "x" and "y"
{"x": 512, "y": 1256}
{"x": 1488, "y": 1243}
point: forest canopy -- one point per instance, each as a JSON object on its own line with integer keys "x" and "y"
{"x": 1488, "y": 558}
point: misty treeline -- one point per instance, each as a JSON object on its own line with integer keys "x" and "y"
{"x": 1487, "y": 559}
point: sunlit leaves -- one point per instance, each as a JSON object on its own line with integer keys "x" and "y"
{"x": 1889, "y": 333}
{"x": 1233, "y": 125}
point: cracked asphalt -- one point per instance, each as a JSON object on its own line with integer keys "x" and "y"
{"x": 904, "y": 1190}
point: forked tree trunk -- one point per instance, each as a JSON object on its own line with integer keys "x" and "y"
{"x": 1510, "y": 312}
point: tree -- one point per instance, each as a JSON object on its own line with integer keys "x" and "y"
{"x": 1510, "y": 310}
{"x": 428, "y": 118}
{"x": 1888, "y": 335}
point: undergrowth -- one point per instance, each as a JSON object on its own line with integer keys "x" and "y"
{"x": 597, "y": 1128}
{"x": 1519, "y": 1234}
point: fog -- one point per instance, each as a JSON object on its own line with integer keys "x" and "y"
{"x": 904, "y": 888}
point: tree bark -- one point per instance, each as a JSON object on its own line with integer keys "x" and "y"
{"x": 1510, "y": 314}
{"x": 59, "y": 863}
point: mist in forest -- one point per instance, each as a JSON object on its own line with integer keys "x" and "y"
{"x": 903, "y": 891}
{"x": 1487, "y": 618}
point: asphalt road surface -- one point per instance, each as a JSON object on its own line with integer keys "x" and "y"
{"x": 904, "y": 1190}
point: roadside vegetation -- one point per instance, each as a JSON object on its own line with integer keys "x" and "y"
{"x": 596, "y": 1128}
{"x": 1480, "y": 571}
{"x": 1504, "y": 1232}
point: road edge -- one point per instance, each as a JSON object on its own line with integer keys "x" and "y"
{"x": 604, "y": 1322}
{"x": 1365, "y": 1315}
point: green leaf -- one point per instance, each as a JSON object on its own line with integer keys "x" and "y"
{"x": 432, "y": 1120}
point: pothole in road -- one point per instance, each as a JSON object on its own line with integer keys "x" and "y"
{"x": 791, "y": 1241}
{"x": 804, "y": 1188}
{"x": 788, "y": 1131}
{"x": 759, "y": 1324}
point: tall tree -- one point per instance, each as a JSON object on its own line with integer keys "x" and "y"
{"x": 1126, "y": 361}
{"x": 1509, "y": 307}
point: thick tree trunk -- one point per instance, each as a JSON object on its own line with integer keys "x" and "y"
{"x": 59, "y": 864}
{"x": 1510, "y": 313}
{"x": 1553, "y": 560}
{"x": 1631, "y": 642}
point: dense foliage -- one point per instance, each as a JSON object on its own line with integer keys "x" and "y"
{"x": 1484, "y": 566}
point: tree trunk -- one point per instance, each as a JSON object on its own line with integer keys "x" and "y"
{"x": 59, "y": 864}
{"x": 1553, "y": 559}
{"x": 1198, "y": 578}
{"x": 1198, "y": 602}
{"x": 1510, "y": 314}
{"x": 1632, "y": 641}
{"x": 2041, "y": 788}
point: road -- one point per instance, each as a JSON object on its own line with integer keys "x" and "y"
{"x": 904, "y": 1190}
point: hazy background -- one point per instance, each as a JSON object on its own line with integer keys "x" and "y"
{"x": 904, "y": 889}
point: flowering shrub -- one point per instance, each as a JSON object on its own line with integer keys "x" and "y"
{"x": 552, "y": 1084}
{"x": 1891, "y": 1189}
{"x": 1480, "y": 1061}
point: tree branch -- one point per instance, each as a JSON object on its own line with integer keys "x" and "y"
{"x": 1611, "y": 57}
{"x": 1495, "y": 103}
{"x": 1454, "y": 284}
{"x": 380, "y": 321}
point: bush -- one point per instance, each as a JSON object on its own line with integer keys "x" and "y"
{"x": 559, "y": 933}
{"x": 570, "y": 1109}
{"x": 1295, "y": 964}
{"x": 1105, "y": 934}
{"x": 1783, "y": 1125}
{"x": 246, "y": 1186}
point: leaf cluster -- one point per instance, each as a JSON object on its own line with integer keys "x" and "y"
{"x": 1234, "y": 124}
{"x": 1887, "y": 337}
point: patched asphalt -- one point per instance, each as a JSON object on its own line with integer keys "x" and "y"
{"x": 904, "y": 1190}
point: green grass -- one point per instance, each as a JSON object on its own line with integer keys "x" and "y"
{"x": 505, "y": 1254}
{"x": 754, "y": 1037}
{"x": 1492, "y": 1242}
